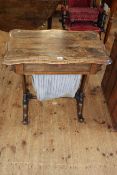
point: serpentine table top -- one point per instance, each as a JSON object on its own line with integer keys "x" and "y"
{"x": 54, "y": 47}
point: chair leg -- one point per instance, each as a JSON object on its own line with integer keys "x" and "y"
{"x": 64, "y": 17}
{"x": 49, "y": 26}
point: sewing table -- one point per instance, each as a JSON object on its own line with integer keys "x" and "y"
{"x": 54, "y": 52}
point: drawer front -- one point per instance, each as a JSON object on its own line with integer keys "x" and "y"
{"x": 56, "y": 69}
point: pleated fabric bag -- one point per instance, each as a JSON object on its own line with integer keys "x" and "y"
{"x": 55, "y": 86}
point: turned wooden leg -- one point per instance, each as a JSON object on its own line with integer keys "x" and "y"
{"x": 80, "y": 99}
{"x": 25, "y": 101}
{"x": 25, "y": 109}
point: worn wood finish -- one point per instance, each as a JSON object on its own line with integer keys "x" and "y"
{"x": 25, "y": 14}
{"x": 109, "y": 84}
{"x": 54, "y": 47}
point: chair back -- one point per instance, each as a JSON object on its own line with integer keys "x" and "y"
{"x": 79, "y": 3}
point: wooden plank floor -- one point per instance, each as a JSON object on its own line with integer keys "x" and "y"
{"x": 54, "y": 142}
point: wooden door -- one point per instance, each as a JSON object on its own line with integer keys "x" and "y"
{"x": 109, "y": 84}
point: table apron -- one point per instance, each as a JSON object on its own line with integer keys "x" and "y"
{"x": 30, "y": 69}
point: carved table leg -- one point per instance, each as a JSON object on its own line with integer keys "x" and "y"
{"x": 25, "y": 109}
{"x": 25, "y": 101}
{"x": 26, "y": 97}
{"x": 80, "y": 99}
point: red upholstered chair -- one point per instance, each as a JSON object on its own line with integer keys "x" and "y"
{"x": 82, "y": 15}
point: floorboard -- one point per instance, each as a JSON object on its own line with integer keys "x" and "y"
{"x": 54, "y": 142}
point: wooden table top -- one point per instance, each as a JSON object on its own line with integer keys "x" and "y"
{"x": 25, "y": 14}
{"x": 54, "y": 47}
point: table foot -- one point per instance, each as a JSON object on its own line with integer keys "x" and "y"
{"x": 25, "y": 121}
{"x": 81, "y": 118}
